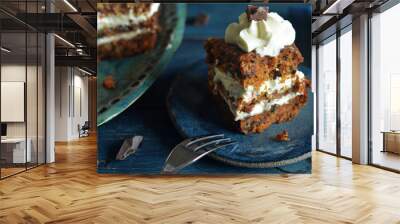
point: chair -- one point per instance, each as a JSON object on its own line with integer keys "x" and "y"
{"x": 84, "y": 130}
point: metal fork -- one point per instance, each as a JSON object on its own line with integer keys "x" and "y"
{"x": 193, "y": 149}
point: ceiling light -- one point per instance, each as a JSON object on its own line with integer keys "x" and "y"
{"x": 70, "y": 5}
{"x": 5, "y": 50}
{"x": 79, "y": 51}
{"x": 84, "y": 71}
{"x": 65, "y": 41}
{"x": 337, "y": 7}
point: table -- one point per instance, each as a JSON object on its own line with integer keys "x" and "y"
{"x": 391, "y": 141}
{"x": 149, "y": 116}
{"x": 13, "y": 150}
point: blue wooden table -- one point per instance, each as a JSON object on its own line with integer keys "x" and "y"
{"x": 149, "y": 117}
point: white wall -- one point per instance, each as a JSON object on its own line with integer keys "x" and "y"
{"x": 13, "y": 101}
{"x": 71, "y": 93}
{"x": 61, "y": 104}
{"x": 16, "y": 73}
{"x": 11, "y": 73}
{"x": 80, "y": 100}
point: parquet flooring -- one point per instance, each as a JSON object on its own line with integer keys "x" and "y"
{"x": 70, "y": 191}
{"x": 10, "y": 171}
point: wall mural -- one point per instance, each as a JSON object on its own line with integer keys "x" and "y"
{"x": 204, "y": 88}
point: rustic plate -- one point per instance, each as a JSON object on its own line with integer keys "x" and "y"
{"x": 134, "y": 75}
{"x": 194, "y": 113}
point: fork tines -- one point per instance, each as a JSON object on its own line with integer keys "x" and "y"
{"x": 191, "y": 150}
{"x": 208, "y": 141}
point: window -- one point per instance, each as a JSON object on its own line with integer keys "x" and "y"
{"x": 346, "y": 93}
{"x": 333, "y": 137}
{"x": 327, "y": 96}
{"x": 22, "y": 101}
{"x": 385, "y": 89}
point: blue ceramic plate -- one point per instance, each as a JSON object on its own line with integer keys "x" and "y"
{"x": 194, "y": 113}
{"x": 134, "y": 75}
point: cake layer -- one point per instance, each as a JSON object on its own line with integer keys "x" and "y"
{"x": 149, "y": 24}
{"x": 249, "y": 68}
{"x": 111, "y": 15}
{"x": 249, "y": 101}
{"x": 128, "y": 46}
{"x": 249, "y": 93}
{"x": 279, "y": 114}
{"x": 260, "y": 122}
{"x": 242, "y": 111}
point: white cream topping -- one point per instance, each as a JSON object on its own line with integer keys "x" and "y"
{"x": 125, "y": 20}
{"x": 265, "y": 105}
{"x": 233, "y": 86}
{"x": 267, "y": 37}
{"x": 236, "y": 90}
{"x": 121, "y": 36}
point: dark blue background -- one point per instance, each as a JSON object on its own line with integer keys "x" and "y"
{"x": 149, "y": 117}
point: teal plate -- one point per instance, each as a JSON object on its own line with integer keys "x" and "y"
{"x": 134, "y": 75}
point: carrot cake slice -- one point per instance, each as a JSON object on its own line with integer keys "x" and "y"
{"x": 253, "y": 71}
{"x": 126, "y": 29}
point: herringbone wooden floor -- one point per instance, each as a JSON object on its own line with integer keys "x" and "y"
{"x": 70, "y": 191}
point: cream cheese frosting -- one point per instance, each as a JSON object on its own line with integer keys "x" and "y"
{"x": 127, "y": 19}
{"x": 265, "y": 105}
{"x": 122, "y": 36}
{"x": 267, "y": 37}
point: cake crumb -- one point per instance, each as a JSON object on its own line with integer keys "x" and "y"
{"x": 109, "y": 82}
{"x": 199, "y": 20}
{"x": 283, "y": 136}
